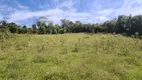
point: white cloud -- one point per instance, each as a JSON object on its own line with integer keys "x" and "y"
{"x": 133, "y": 7}
{"x": 102, "y": 18}
{"x": 1, "y": 17}
{"x": 66, "y": 10}
{"x": 22, "y": 7}
{"x": 52, "y": 14}
{"x": 105, "y": 12}
{"x": 128, "y": 7}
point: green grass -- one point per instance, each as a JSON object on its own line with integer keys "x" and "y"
{"x": 71, "y": 57}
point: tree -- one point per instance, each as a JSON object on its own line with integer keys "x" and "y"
{"x": 62, "y": 31}
{"x": 50, "y": 28}
{"x": 34, "y": 29}
{"x": 57, "y": 27}
{"x": 136, "y": 24}
{"x": 65, "y": 23}
{"x": 121, "y": 24}
{"x": 124, "y": 24}
{"x": 71, "y": 27}
{"x": 110, "y": 26}
{"x": 42, "y": 25}
{"x": 78, "y": 26}
{"x": 14, "y": 28}
{"x": 30, "y": 30}
{"x": 42, "y": 29}
{"x": 3, "y": 26}
{"x": 24, "y": 30}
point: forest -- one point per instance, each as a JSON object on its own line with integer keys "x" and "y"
{"x": 126, "y": 25}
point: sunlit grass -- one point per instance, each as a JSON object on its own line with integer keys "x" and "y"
{"x": 71, "y": 57}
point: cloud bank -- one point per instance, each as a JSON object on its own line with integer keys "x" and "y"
{"x": 74, "y": 10}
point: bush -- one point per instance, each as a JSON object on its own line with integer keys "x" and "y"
{"x": 5, "y": 35}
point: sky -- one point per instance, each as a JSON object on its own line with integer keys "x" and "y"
{"x": 26, "y": 12}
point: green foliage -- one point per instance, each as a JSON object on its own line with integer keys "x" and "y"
{"x": 42, "y": 29}
{"x": 61, "y": 31}
{"x": 34, "y": 29}
{"x": 123, "y": 24}
{"x": 14, "y": 28}
{"x": 24, "y": 30}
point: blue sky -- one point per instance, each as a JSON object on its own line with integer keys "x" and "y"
{"x": 87, "y": 11}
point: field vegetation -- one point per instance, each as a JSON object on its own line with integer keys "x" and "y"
{"x": 70, "y": 57}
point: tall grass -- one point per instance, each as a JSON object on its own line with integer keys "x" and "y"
{"x": 71, "y": 57}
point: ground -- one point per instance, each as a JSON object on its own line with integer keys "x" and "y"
{"x": 71, "y": 57}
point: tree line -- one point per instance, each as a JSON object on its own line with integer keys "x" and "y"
{"x": 128, "y": 25}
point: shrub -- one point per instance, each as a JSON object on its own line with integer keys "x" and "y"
{"x": 5, "y": 35}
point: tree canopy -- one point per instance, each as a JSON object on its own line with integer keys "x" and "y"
{"x": 130, "y": 25}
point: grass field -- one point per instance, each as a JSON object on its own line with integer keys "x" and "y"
{"x": 71, "y": 57}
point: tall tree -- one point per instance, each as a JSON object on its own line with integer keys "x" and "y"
{"x": 34, "y": 28}
{"x": 136, "y": 24}
{"x": 110, "y": 26}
